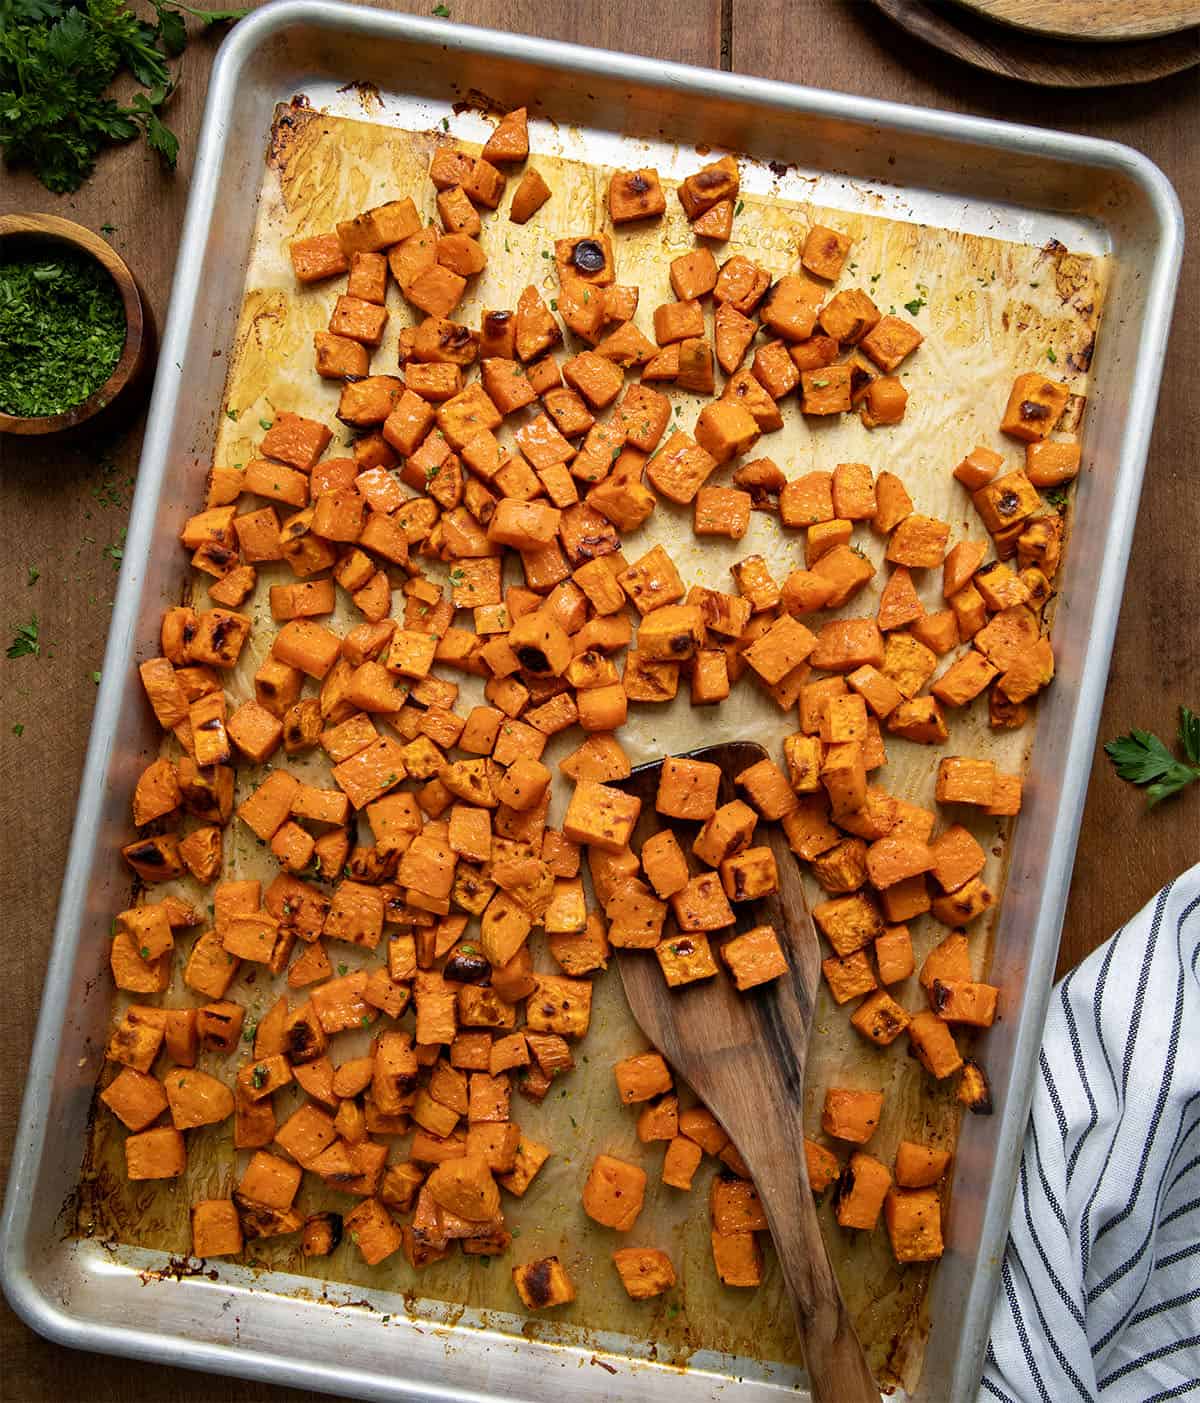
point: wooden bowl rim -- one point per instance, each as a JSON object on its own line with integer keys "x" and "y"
{"x": 54, "y": 229}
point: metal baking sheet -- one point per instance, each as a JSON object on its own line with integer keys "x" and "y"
{"x": 905, "y": 182}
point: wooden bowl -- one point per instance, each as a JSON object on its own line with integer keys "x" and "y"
{"x": 139, "y": 331}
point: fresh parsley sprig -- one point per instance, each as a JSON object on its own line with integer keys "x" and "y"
{"x": 1143, "y": 759}
{"x": 57, "y": 61}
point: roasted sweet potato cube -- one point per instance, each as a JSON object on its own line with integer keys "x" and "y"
{"x": 216, "y": 1228}
{"x": 614, "y": 1193}
{"x": 457, "y": 213}
{"x": 962, "y": 779}
{"x": 823, "y": 1166}
{"x": 894, "y": 858}
{"x": 510, "y": 139}
{"x": 849, "y": 923}
{"x": 861, "y": 1191}
{"x": 933, "y": 1045}
{"x": 960, "y": 564}
{"x": 880, "y": 1018}
{"x": 155, "y": 1154}
{"x": 686, "y": 958}
{"x": 530, "y": 195}
{"x": 919, "y": 1166}
{"x": 737, "y": 1258}
{"x": 664, "y": 863}
{"x": 827, "y": 390}
{"x": 754, "y": 957}
{"x": 296, "y": 441}
{"x": 957, "y": 857}
{"x": 635, "y": 194}
{"x": 851, "y": 1115}
{"x": 894, "y": 954}
{"x": 642, "y": 1077}
{"x": 768, "y": 790}
{"x": 964, "y": 1001}
{"x": 687, "y": 788}
{"x": 601, "y": 817}
{"x": 543, "y": 1284}
{"x": 1034, "y": 407}
{"x": 1007, "y": 501}
{"x": 849, "y": 977}
{"x": 848, "y": 316}
{"x": 339, "y": 358}
{"x": 914, "y": 1224}
{"x": 844, "y": 776}
{"x": 726, "y": 430}
{"x": 135, "y": 1098}
{"x": 560, "y": 1005}
{"x": 844, "y": 645}
{"x": 317, "y": 258}
{"x": 750, "y": 875}
{"x": 680, "y": 468}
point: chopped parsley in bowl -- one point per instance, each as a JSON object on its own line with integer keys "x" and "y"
{"x": 62, "y": 328}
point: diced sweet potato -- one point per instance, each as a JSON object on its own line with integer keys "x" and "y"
{"x": 851, "y": 1115}
{"x": 543, "y": 1284}
{"x": 614, "y": 1193}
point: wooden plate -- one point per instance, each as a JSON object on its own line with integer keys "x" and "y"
{"x": 1045, "y": 61}
{"x": 1092, "y": 21}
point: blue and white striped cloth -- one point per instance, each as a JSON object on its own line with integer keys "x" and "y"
{"x": 1100, "y": 1289}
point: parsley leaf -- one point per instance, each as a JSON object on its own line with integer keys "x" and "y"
{"x": 442, "y": 11}
{"x": 26, "y": 644}
{"x": 913, "y": 307}
{"x": 34, "y": 574}
{"x": 1143, "y": 759}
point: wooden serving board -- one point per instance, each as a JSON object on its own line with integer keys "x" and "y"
{"x": 1041, "y": 59}
{"x": 1088, "y": 21}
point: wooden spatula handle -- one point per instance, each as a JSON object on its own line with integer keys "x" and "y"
{"x": 836, "y": 1366}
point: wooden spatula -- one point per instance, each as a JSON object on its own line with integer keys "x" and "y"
{"x": 744, "y": 1054}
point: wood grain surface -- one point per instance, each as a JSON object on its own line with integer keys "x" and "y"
{"x": 64, "y": 510}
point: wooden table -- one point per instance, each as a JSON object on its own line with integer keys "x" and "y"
{"x": 63, "y": 512}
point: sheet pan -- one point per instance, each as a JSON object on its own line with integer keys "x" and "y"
{"x": 858, "y": 158}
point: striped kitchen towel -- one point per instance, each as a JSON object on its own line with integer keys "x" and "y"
{"x": 1100, "y": 1289}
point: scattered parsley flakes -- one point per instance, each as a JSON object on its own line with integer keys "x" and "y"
{"x": 266, "y": 423}
{"x": 116, "y": 551}
{"x": 34, "y": 575}
{"x": 343, "y": 968}
{"x": 442, "y": 11}
{"x": 231, "y": 414}
{"x": 913, "y": 307}
{"x": 26, "y": 642}
{"x": 18, "y": 729}
{"x": 258, "y": 1078}
{"x": 96, "y": 678}
{"x": 1050, "y": 356}
{"x": 739, "y": 207}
